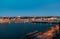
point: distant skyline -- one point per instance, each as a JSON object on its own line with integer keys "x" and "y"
{"x": 29, "y": 7}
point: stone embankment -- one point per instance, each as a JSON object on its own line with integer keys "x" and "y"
{"x": 49, "y": 34}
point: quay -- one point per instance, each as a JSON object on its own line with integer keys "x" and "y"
{"x": 46, "y": 22}
{"x": 52, "y": 33}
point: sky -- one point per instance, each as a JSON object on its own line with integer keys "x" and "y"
{"x": 29, "y": 7}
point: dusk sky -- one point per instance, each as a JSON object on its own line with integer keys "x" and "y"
{"x": 29, "y": 7}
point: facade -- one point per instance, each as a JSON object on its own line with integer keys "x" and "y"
{"x": 30, "y": 19}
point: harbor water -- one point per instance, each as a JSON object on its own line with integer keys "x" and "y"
{"x": 18, "y": 30}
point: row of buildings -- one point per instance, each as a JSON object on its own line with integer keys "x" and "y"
{"x": 29, "y": 19}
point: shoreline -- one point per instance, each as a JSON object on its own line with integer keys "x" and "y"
{"x": 29, "y": 19}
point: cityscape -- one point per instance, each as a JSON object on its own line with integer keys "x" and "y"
{"x": 29, "y": 19}
{"x": 51, "y": 33}
{"x": 19, "y": 19}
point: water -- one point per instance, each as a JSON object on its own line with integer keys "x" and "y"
{"x": 18, "y": 30}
